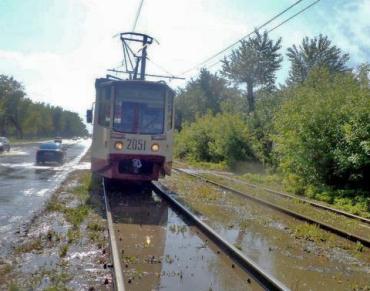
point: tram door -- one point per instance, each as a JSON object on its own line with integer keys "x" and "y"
{"x": 102, "y": 123}
{"x": 170, "y": 119}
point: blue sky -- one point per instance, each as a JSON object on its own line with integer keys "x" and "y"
{"x": 56, "y": 48}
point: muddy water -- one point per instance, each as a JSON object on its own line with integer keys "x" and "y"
{"x": 268, "y": 237}
{"x": 24, "y": 186}
{"x": 345, "y": 223}
{"x": 160, "y": 250}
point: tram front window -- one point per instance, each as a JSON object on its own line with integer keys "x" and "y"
{"x": 139, "y": 110}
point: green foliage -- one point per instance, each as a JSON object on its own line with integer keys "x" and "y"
{"x": 323, "y": 133}
{"x": 220, "y": 138}
{"x": 314, "y": 53}
{"x": 255, "y": 64}
{"x": 20, "y": 117}
{"x": 201, "y": 96}
{"x": 261, "y": 125}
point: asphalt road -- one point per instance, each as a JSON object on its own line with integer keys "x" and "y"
{"x": 25, "y": 186}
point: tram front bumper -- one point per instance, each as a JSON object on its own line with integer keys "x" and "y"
{"x": 136, "y": 167}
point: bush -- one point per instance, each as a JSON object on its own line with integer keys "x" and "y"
{"x": 324, "y": 133}
{"x": 221, "y": 138}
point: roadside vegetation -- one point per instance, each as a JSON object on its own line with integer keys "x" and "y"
{"x": 21, "y": 118}
{"x": 311, "y": 133}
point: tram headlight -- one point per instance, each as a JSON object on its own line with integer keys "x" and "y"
{"x": 155, "y": 147}
{"x": 118, "y": 145}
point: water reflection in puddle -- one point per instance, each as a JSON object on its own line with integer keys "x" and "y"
{"x": 161, "y": 251}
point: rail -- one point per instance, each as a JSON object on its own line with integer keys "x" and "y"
{"x": 118, "y": 274}
{"x": 266, "y": 280}
{"x": 325, "y": 226}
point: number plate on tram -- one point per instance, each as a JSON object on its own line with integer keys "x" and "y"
{"x": 136, "y": 144}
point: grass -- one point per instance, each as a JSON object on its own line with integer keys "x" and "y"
{"x": 33, "y": 245}
{"x": 310, "y": 232}
{"x": 76, "y": 216}
{"x": 63, "y": 250}
{"x": 73, "y": 235}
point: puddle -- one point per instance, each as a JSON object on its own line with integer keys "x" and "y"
{"x": 161, "y": 251}
{"x": 268, "y": 238}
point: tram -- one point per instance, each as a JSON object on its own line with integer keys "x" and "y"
{"x": 133, "y": 126}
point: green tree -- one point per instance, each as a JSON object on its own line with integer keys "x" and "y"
{"x": 200, "y": 96}
{"x": 254, "y": 64}
{"x": 19, "y": 116}
{"x": 312, "y": 53}
{"x": 11, "y": 95}
{"x": 323, "y": 133}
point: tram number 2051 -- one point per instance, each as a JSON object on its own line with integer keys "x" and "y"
{"x": 136, "y": 144}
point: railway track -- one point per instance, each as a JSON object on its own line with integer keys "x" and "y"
{"x": 323, "y": 225}
{"x": 133, "y": 219}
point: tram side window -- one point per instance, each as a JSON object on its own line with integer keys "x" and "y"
{"x": 169, "y": 111}
{"x": 104, "y": 107}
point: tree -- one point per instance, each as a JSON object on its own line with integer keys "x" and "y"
{"x": 11, "y": 95}
{"x": 255, "y": 64}
{"x": 200, "y": 96}
{"x": 323, "y": 133}
{"x": 315, "y": 52}
{"x": 19, "y": 116}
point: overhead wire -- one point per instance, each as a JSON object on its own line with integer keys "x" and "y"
{"x": 160, "y": 67}
{"x": 245, "y": 36}
{"x": 277, "y": 26}
{"x": 137, "y": 15}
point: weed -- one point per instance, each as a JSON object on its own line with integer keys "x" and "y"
{"x": 169, "y": 259}
{"x": 310, "y": 232}
{"x": 130, "y": 259}
{"x": 359, "y": 247}
{"x": 34, "y": 245}
{"x": 243, "y": 224}
{"x": 13, "y": 287}
{"x": 204, "y": 192}
{"x": 174, "y": 228}
{"x": 73, "y": 235}
{"x": 75, "y": 216}
{"x": 63, "y": 251}
{"x": 95, "y": 226}
{"x": 54, "y": 205}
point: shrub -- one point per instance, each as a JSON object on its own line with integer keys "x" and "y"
{"x": 221, "y": 138}
{"x": 323, "y": 133}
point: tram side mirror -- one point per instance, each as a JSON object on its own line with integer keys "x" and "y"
{"x": 89, "y": 116}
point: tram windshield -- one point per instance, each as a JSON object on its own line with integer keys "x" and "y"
{"x": 139, "y": 110}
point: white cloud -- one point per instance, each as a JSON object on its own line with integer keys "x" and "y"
{"x": 188, "y": 31}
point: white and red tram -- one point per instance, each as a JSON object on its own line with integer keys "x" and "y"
{"x": 133, "y": 128}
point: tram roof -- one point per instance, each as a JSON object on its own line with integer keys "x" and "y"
{"x": 107, "y": 81}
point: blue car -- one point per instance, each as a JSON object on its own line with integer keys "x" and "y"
{"x": 50, "y": 152}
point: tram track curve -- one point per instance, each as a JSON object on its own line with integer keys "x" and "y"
{"x": 262, "y": 278}
{"x": 294, "y": 214}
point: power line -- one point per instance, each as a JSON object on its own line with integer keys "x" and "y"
{"x": 277, "y": 26}
{"x": 137, "y": 15}
{"x": 293, "y": 16}
{"x": 247, "y": 35}
{"x": 160, "y": 67}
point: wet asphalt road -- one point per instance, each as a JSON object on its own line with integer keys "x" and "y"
{"x": 25, "y": 186}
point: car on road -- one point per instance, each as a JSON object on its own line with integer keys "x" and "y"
{"x": 50, "y": 152}
{"x": 4, "y": 144}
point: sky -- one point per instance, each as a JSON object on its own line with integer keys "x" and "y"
{"x": 57, "y": 48}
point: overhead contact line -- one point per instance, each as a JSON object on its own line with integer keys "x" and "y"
{"x": 250, "y": 33}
